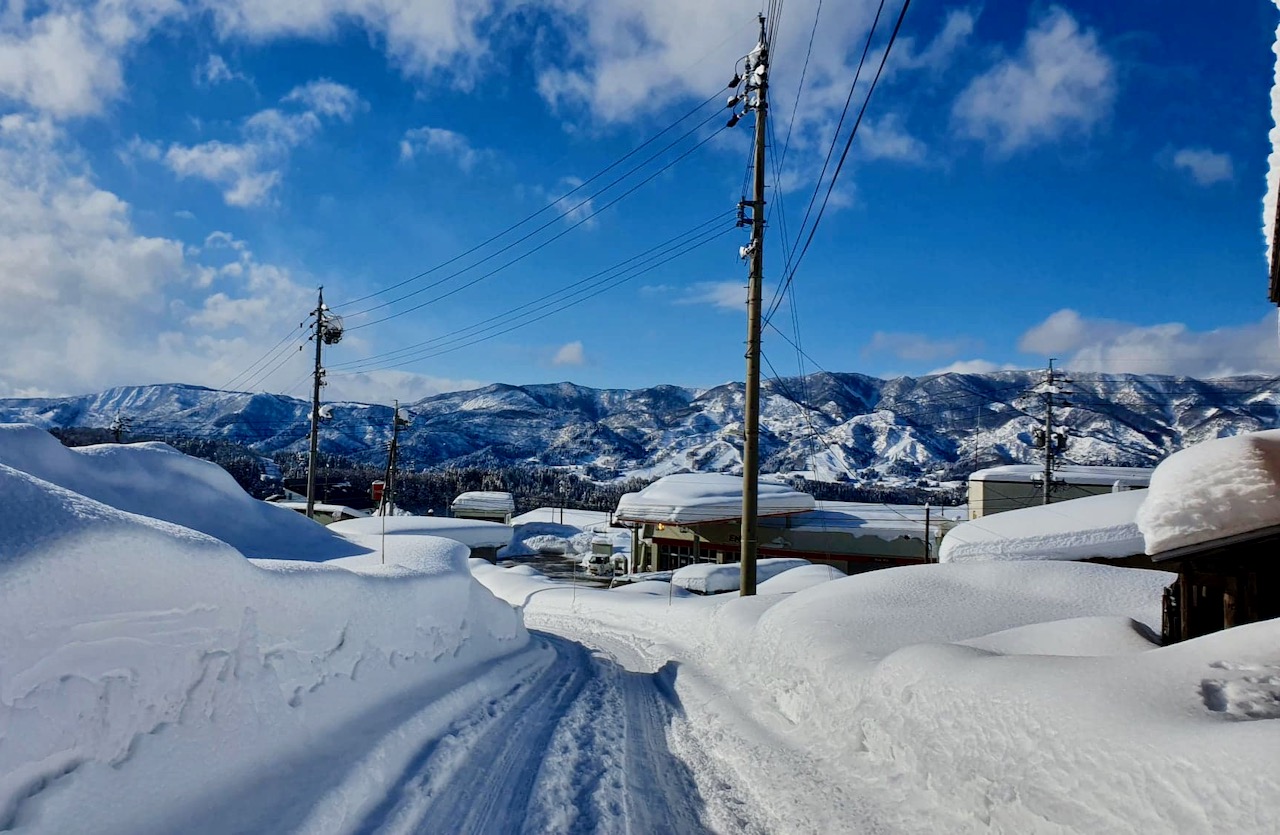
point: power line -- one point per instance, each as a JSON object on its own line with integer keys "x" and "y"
{"x": 849, "y": 142}
{"x": 584, "y": 295}
{"x": 566, "y": 213}
{"x": 547, "y": 242}
{"x": 530, "y": 217}
{"x": 659, "y": 248}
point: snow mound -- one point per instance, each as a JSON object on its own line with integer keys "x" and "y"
{"x": 114, "y": 626}
{"x": 1093, "y": 636}
{"x": 704, "y": 497}
{"x": 156, "y": 480}
{"x": 1079, "y": 529}
{"x": 799, "y": 578}
{"x": 474, "y": 533}
{"x": 713, "y": 578}
{"x": 1213, "y": 490}
{"x": 411, "y": 554}
{"x": 657, "y": 588}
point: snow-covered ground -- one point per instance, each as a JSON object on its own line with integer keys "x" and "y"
{"x": 154, "y": 679}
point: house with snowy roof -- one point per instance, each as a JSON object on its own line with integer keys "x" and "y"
{"x": 1013, "y": 486}
{"x": 1212, "y": 514}
{"x": 693, "y": 518}
{"x": 486, "y": 505}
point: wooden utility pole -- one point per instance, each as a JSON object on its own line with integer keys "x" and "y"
{"x": 756, "y": 76}
{"x": 328, "y": 331}
{"x": 393, "y": 457}
{"x": 317, "y": 380}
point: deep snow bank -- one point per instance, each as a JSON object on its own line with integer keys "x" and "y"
{"x": 115, "y": 626}
{"x": 156, "y": 480}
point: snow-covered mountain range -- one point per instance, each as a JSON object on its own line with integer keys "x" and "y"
{"x": 837, "y": 426}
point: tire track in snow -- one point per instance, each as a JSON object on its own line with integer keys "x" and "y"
{"x": 580, "y": 747}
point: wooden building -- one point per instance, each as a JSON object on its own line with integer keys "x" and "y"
{"x": 1221, "y": 583}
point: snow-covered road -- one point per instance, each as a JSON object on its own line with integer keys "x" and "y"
{"x": 581, "y": 744}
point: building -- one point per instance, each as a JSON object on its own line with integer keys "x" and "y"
{"x": 325, "y": 513}
{"x": 486, "y": 505}
{"x": 1221, "y": 583}
{"x": 685, "y": 519}
{"x": 1012, "y": 486}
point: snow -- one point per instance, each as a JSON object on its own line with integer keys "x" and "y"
{"x": 1078, "y": 529}
{"x": 483, "y": 501}
{"x": 713, "y": 578}
{"x": 156, "y": 479}
{"x": 1068, "y": 473}
{"x": 704, "y": 497}
{"x": 150, "y": 672}
{"x": 153, "y": 679}
{"x": 798, "y": 579}
{"x": 1213, "y": 490}
{"x": 887, "y": 521}
{"x": 474, "y": 533}
{"x": 572, "y": 517}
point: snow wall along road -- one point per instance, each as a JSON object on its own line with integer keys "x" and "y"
{"x": 147, "y": 670}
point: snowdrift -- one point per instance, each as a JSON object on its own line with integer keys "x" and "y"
{"x": 156, "y": 480}
{"x": 148, "y": 669}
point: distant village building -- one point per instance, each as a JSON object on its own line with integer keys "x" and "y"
{"x": 1012, "y": 486}
{"x": 325, "y": 513}
{"x": 696, "y": 517}
{"x": 487, "y": 505}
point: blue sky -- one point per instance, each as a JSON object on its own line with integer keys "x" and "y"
{"x": 1081, "y": 180}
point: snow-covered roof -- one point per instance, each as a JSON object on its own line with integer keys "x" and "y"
{"x": 484, "y": 501}
{"x": 1213, "y": 490}
{"x": 889, "y": 521}
{"x": 474, "y": 533}
{"x": 1079, "y": 529}
{"x": 324, "y": 507}
{"x": 1067, "y": 473}
{"x": 712, "y": 578}
{"x": 690, "y": 498}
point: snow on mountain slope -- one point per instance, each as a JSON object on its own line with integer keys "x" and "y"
{"x": 942, "y": 426}
{"x": 149, "y": 671}
{"x": 156, "y": 480}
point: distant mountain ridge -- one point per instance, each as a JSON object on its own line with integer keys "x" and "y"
{"x": 838, "y": 425}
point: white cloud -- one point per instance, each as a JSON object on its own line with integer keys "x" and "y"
{"x": 128, "y": 307}
{"x": 570, "y": 354}
{"x": 887, "y": 138}
{"x": 973, "y": 367}
{"x": 1060, "y": 83}
{"x": 1204, "y": 166}
{"x": 64, "y": 59}
{"x": 441, "y": 142}
{"x": 725, "y": 295}
{"x": 250, "y": 169}
{"x": 917, "y": 347}
{"x": 386, "y": 386}
{"x": 215, "y": 71}
{"x": 940, "y": 52}
{"x": 439, "y": 40}
{"x": 1171, "y": 348}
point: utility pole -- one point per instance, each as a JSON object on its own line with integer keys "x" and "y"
{"x": 328, "y": 331}
{"x": 755, "y": 75}
{"x": 393, "y": 456}
{"x": 1052, "y": 442}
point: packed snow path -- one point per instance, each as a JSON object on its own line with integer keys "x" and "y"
{"x": 579, "y": 745}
